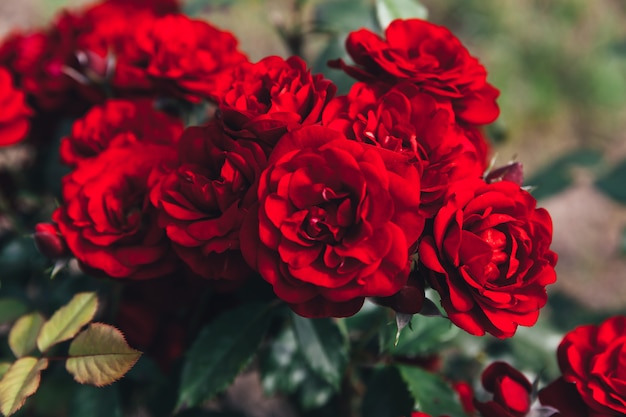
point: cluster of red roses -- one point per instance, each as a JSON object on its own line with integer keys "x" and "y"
{"x": 330, "y": 199}
{"x": 593, "y": 382}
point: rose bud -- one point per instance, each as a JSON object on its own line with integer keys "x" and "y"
{"x": 512, "y": 172}
{"x": 50, "y": 242}
{"x": 410, "y": 298}
{"x": 511, "y": 392}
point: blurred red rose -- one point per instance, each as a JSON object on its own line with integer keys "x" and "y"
{"x": 403, "y": 119}
{"x": 14, "y": 112}
{"x": 263, "y": 101}
{"x": 50, "y": 242}
{"x": 203, "y": 197}
{"x": 511, "y": 392}
{"x": 107, "y": 220}
{"x": 36, "y": 61}
{"x": 429, "y": 56}
{"x": 334, "y": 224}
{"x": 120, "y": 120}
{"x": 489, "y": 257}
{"x": 593, "y": 358}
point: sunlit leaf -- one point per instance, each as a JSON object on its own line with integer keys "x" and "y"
{"x": 4, "y": 367}
{"x": 11, "y": 309}
{"x": 23, "y": 335}
{"x": 20, "y": 381}
{"x": 221, "y": 351}
{"x": 323, "y": 347}
{"x": 100, "y": 355}
{"x": 389, "y": 10}
{"x": 68, "y": 320}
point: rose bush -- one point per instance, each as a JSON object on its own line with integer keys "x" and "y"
{"x": 489, "y": 257}
{"x": 334, "y": 222}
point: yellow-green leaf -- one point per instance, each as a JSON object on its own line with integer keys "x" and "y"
{"x": 67, "y": 321}
{"x": 23, "y": 335}
{"x": 100, "y": 355}
{"x": 4, "y": 367}
{"x": 20, "y": 381}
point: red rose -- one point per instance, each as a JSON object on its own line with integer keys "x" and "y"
{"x": 14, "y": 112}
{"x": 265, "y": 100}
{"x": 511, "y": 392}
{"x": 334, "y": 224}
{"x": 429, "y": 56}
{"x": 563, "y": 396}
{"x": 36, "y": 61}
{"x": 179, "y": 56}
{"x": 106, "y": 218}
{"x": 489, "y": 257}
{"x": 202, "y": 199}
{"x": 119, "y": 120}
{"x": 594, "y": 359}
{"x": 403, "y": 119}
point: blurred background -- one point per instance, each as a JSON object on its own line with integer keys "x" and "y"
{"x": 560, "y": 66}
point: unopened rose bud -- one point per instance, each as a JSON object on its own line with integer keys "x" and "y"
{"x": 49, "y": 241}
{"x": 513, "y": 172}
{"x": 410, "y": 298}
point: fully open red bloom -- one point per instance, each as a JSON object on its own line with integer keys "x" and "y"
{"x": 118, "y": 120}
{"x": 202, "y": 199}
{"x": 511, "y": 392}
{"x": 178, "y": 56}
{"x": 107, "y": 220}
{"x": 14, "y": 112}
{"x": 594, "y": 359}
{"x": 263, "y": 101}
{"x": 489, "y": 257}
{"x": 334, "y": 224}
{"x": 404, "y": 119}
{"x": 429, "y": 56}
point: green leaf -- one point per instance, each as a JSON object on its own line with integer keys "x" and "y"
{"x": 431, "y": 393}
{"x": 100, "y": 355}
{"x": 557, "y": 176}
{"x": 613, "y": 183}
{"x": 68, "y": 320}
{"x": 23, "y": 335}
{"x": 21, "y": 381}
{"x": 389, "y": 10}
{"x": 221, "y": 351}
{"x": 96, "y": 402}
{"x": 282, "y": 366}
{"x": 323, "y": 347}
{"x": 341, "y": 16}
{"x": 387, "y": 395}
{"x": 4, "y": 367}
{"x": 11, "y": 309}
{"x": 314, "y": 393}
{"x": 425, "y": 335}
